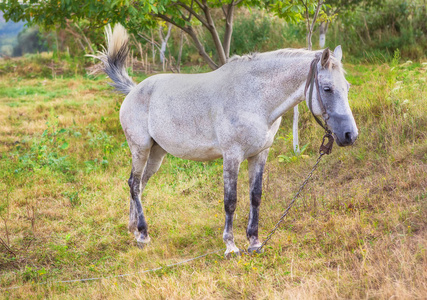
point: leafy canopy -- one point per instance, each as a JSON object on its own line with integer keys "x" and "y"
{"x": 135, "y": 15}
{"x": 138, "y": 15}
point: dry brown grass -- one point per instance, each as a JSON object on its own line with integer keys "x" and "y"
{"x": 359, "y": 231}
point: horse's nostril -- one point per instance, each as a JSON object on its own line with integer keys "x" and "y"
{"x": 348, "y": 137}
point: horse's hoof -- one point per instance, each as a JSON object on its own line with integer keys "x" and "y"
{"x": 255, "y": 249}
{"x": 142, "y": 240}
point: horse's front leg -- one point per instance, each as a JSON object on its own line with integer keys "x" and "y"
{"x": 231, "y": 172}
{"x": 256, "y": 169}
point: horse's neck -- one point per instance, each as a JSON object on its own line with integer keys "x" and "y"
{"x": 288, "y": 80}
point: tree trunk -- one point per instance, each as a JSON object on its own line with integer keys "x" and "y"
{"x": 295, "y": 130}
{"x": 229, "y": 16}
{"x": 323, "y": 29}
{"x": 153, "y": 49}
{"x": 164, "y": 40}
{"x": 181, "y": 44}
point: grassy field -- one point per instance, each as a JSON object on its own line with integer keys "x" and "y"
{"x": 359, "y": 231}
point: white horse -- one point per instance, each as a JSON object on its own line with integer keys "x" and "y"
{"x": 233, "y": 112}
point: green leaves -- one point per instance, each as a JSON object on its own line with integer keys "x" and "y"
{"x": 135, "y": 15}
{"x": 293, "y": 11}
{"x": 64, "y": 146}
{"x": 58, "y": 12}
{"x": 288, "y": 10}
{"x": 292, "y": 157}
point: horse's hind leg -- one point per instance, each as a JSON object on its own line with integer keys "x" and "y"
{"x": 154, "y": 162}
{"x": 137, "y": 183}
{"x": 256, "y": 169}
{"x": 231, "y": 172}
{"x": 140, "y": 154}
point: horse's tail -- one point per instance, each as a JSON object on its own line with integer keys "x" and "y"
{"x": 114, "y": 58}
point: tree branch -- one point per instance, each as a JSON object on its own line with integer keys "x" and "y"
{"x": 169, "y": 32}
{"x": 3, "y": 243}
{"x": 193, "y": 12}
{"x": 167, "y": 19}
{"x": 319, "y": 5}
{"x": 77, "y": 36}
{"x": 307, "y": 16}
{"x": 201, "y": 49}
{"x": 307, "y": 24}
{"x": 81, "y": 36}
{"x": 189, "y": 30}
{"x": 188, "y": 19}
{"x": 199, "y": 4}
{"x": 152, "y": 42}
{"x": 223, "y": 11}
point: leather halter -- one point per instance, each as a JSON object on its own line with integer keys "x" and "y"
{"x": 312, "y": 79}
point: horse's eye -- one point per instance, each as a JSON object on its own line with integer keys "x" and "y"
{"x": 327, "y": 89}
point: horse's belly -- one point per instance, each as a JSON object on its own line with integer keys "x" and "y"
{"x": 191, "y": 144}
{"x": 198, "y": 154}
{"x": 191, "y": 151}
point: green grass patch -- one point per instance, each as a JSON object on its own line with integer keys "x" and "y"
{"x": 358, "y": 230}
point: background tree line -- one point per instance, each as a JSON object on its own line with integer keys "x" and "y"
{"x": 208, "y": 32}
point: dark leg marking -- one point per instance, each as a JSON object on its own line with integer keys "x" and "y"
{"x": 133, "y": 215}
{"x": 135, "y": 191}
{"x": 255, "y": 198}
{"x": 231, "y": 171}
{"x": 256, "y": 169}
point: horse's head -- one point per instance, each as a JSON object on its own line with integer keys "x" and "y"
{"x": 327, "y": 96}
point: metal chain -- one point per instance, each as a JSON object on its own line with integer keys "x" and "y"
{"x": 324, "y": 149}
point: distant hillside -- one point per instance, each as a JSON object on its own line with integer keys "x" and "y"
{"x": 8, "y": 35}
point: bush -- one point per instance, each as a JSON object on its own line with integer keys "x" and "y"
{"x": 378, "y": 33}
{"x": 30, "y": 40}
{"x": 256, "y": 32}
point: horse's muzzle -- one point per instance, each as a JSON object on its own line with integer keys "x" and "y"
{"x": 346, "y": 139}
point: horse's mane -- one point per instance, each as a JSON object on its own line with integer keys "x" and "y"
{"x": 287, "y": 52}
{"x": 282, "y": 53}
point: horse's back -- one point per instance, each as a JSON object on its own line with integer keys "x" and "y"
{"x": 177, "y": 111}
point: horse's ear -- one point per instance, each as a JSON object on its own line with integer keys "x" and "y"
{"x": 324, "y": 61}
{"x": 338, "y": 53}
